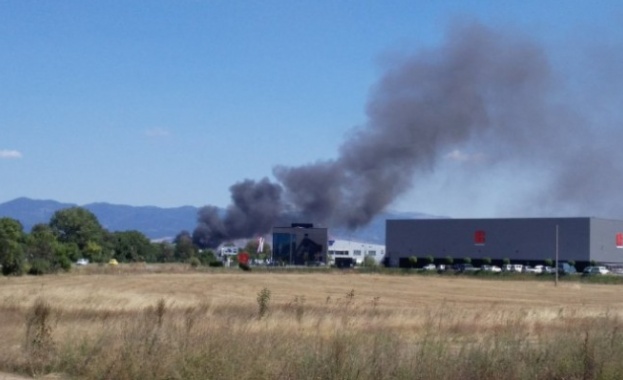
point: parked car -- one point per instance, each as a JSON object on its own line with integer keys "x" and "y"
{"x": 429, "y": 267}
{"x": 491, "y": 268}
{"x": 565, "y": 268}
{"x": 598, "y": 270}
{"x": 465, "y": 268}
{"x": 82, "y": 262}
{"x": 517, "y": 268}
{"x": 548, "y": 269}
{"x": 536, "y": 269}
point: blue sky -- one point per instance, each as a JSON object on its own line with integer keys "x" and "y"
{"x": 169, "y": 103}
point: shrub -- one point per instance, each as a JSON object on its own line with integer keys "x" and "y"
{"x": 369, "y": 262}
{"x": 39, "y": 267}
{"x": 215, "y": 264}
{"x": 263, "y": 299}
{"x": 194, "y": 262}
{"x": 244, "y": 267}
{"x": 39, "y": 344}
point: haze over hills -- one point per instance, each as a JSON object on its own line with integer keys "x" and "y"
{"x": 165, "y": 223}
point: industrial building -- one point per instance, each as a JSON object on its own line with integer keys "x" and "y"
{"x": 300, "y": 244}
{"x": 521, "y": 240}
{"x": 355, "y": 250}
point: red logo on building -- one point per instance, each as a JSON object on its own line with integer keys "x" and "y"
{"x": 619, "y": 239}
{"x": 243, "y": 258}
{"x": 479, "y": 237}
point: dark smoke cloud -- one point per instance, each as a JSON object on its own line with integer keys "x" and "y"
{"x": 484, "y": 88}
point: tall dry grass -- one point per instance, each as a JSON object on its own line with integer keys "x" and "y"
{"x": 356, "y": 331}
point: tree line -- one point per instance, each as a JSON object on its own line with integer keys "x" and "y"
{"x": 75, "y": 233}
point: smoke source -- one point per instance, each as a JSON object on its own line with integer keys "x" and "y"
{"x": 481, "y": 88}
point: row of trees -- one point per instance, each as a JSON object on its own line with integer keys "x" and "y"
{"x": 75, "y": 233}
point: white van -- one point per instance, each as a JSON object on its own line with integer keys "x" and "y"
{"x": 518, "y": 268}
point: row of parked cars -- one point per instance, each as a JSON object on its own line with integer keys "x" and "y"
{"x": 563, "y": 268}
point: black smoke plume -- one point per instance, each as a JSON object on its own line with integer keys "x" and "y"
{"x": 482, "y": 88}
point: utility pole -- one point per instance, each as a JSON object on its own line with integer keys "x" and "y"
{"x": 556, "y": 281}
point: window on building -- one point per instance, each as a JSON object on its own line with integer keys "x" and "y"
{"x": 357, "y": 252}
{"x": 371, "y": 253}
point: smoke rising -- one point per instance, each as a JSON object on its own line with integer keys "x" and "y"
{"x": 482, "y": 88}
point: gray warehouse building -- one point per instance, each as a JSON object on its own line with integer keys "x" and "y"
{"x": 521, "y": 240}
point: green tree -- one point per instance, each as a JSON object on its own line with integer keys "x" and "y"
{"x": 44, "y": 252}
{"x": 131, "y": 246}
{"x": 164, "y": 252}
{"x": 184, "y": 247}
{"x": 369, "y": 262}
{"x": 449, "y": 260}
{"x": 486, "y": 260}
{"x": 412, "y": 261}
{"x": 506, "y": 261}
{"x": 79, "y": 226}
{"x": 430, "y": 259}
{"x": 11, "y": 246}
{"x": 467, "y": 260}
{"x": 94, "y": 251}
{"x": 252, "y": 247}
{"x": 206, "y": 256}
{"x": 549, "y": 262}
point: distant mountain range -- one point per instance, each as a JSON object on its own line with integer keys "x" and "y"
{"x": 166, "y": 223}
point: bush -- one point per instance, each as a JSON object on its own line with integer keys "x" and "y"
{"x": 215, "y": 264}
{"x": 263, "y": 299}
{"x": 206, "y": 257}
{"x": 63, "y": 263}
{"x": 194, "y": 262}
{"x": 369, "y": 262}
{"x": 244, "y": 267}
{"x": 39, "y": 267}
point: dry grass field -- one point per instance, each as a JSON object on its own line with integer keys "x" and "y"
{"x": 133, "y": 323}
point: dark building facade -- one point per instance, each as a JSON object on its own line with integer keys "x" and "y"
{"x": 300, "y": 244}
{"x": 521, "y": 240}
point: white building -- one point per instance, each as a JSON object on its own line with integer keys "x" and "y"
{"x": 356, "y": 250}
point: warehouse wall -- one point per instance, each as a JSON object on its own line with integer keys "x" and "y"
{"x": 519, "y": 239}
{"x": 603, "y": 245}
